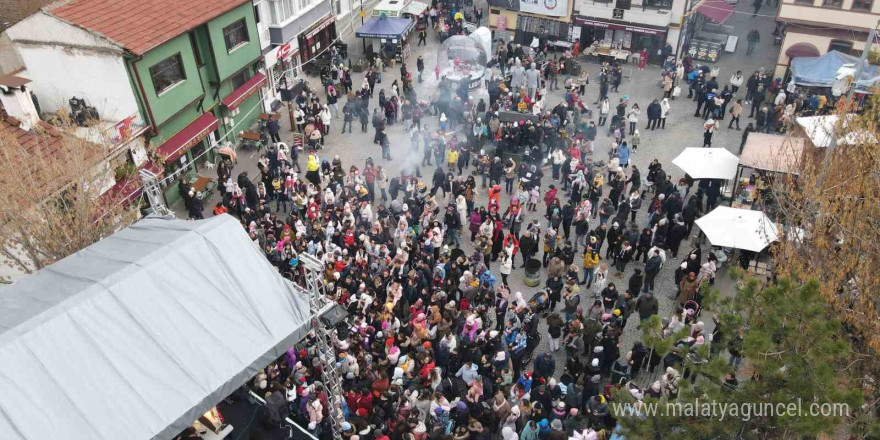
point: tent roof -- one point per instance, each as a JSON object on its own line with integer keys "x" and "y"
{"x": 772, "y": 152}
{"x": 139, "y": 334}
{"x": 384, "y": 27}
{"x": 821, "y": 71}
{"x": 821, "y": 131}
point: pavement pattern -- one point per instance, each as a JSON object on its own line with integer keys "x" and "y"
{"x": 642, "y": 86}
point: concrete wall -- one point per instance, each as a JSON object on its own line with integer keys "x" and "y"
{"x": 829, "y": 16}
{"x": 65, "y": 61}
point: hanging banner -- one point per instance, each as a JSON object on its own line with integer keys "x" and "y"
{"x": 553, "y": 8}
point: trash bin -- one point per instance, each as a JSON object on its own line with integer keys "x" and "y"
{"x": 533, "y": 273}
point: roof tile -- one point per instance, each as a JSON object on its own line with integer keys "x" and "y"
{"x": 141, "y": 25}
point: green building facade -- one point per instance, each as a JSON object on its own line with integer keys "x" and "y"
{"x": 201, "y": 88}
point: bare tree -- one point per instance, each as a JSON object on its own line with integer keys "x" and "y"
{"x": 51, "y": 204}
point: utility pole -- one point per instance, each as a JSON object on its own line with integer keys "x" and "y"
{"x": 870, "y": 42}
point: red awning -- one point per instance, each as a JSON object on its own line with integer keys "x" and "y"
{"x": 245, "y": 91}
{"x": 716, "y": 10}
{"x": 181, "y": 142}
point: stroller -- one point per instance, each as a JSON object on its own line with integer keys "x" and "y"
{"x": 538, "y": 303}
{"x": 621, "y": 371}
{"x": 692, "y": 311}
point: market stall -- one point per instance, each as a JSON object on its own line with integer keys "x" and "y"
{"x": 736, "y": 228}
{"x": 712, "y": 37}
{"x": 391, "y": 34}
{"x": 707, "y": 163}
{"x": 763, "y": 156}
{"x": 139, "y": 335}
{"x": 822, "y": 72}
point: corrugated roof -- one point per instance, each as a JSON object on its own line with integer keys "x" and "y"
{"x": 140, "y": 25}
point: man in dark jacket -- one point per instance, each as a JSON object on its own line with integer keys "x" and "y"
{"x": 636, "y": 280}
{"x": 652, "y": 268}
{"x": 647, "y": 306}
{"x": 677, "y": 232}
{"x": 528, "y": 246}
{"x": 654, "y": 113}
{"x": 545, "y": 366}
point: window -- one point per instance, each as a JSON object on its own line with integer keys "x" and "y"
{"x": 303, "y": 4}
{"x": 842, "y": 46}
{"x": 240, "y": 78}
{"x": 235, "y": 34}
{"x": 167, "y": 73}
{"x": 194, "y": 42}
{"x": 862, "y": 5}
{"x": 656, "y": 4}
{"x": 257, "y": 13}
{"x": 282, "y": 10}
{"x": 832, "y": 3}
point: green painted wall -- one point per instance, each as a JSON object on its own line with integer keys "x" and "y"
{"x": 169, "y": 102}
{"x": 230, "y": 62}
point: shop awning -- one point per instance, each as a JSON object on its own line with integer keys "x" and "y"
{"x": 185, "y": 139}
{"x": 802, "y": 50}
{"x": 137, "y": 335}
{"x": 245, "y": 91}
{"x": 621, "y": 26}
{"x": 384, "y": 27}
{"x": 415, "y": 8}
{"x": 772, "y": 152}
{"x": 718, "y": 11}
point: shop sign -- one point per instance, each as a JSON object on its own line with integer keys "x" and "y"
{"x": 620, "y": 27}
{"x": 320, "y": 26}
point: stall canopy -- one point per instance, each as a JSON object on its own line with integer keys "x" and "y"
{"x": 136, "y": 336}
{"x": 771, "y": 152}
{"x": 738, "y": 228}
{"x": 822, "y": 131}
{"x": 718, "y": 11}
{"x": 384, "y": 27}
{"x": 822, "y": 71}
{"x": 707, "y": 163}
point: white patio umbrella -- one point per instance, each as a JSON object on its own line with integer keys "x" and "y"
{"x": 738, "y": 228}
{"x": 707, "y": 163}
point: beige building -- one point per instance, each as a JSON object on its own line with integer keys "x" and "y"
{"x": 817, "y": 26}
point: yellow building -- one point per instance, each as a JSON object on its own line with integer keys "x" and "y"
{"x": 817, "y": 26}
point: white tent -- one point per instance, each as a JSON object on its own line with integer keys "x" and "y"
{"x": 738, "y": 228}
{"x": 823, "y": 130}
{"x": 707, "y": 163}
{"x": 139, "y": 334}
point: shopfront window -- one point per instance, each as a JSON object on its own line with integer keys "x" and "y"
{"x": 167, "y": 73}
{"x": 862, "y": 5}
{"x": 235, "y": 35}
{"x": 832, "y": 3}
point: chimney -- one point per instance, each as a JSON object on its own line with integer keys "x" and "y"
{"x": 16, "y": 100}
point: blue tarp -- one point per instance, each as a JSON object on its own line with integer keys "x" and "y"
{"x": 821, "y": 71}
{"x": 383, "y": 27}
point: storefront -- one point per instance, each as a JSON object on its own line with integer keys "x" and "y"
{"x": 317, "y": 38}
{"x": 529, "y": 27}
{"x": 280, "y": 67}
{"x": 620, "y": 35}
{"x": 390, "y": 33}
{"x": 183, "y": 152}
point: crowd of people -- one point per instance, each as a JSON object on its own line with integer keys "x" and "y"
{"x": 437, "y": 344}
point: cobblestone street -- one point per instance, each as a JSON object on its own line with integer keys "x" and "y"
{"x": 642, "y": 86}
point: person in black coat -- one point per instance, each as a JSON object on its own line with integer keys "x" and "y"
{"x": 654, "y": 113}
{"x": 677, "y": 232}
{"x": 635, "y": 281}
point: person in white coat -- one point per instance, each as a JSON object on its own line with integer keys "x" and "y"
{"x": 664, "y": 111}
{"x": 326, "y": 118}
{"x": 506, "y": 265}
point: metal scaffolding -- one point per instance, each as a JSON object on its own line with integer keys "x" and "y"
{"x": 318, "y": 304}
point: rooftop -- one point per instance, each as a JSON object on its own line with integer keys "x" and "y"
{"x": 140, "y": 25}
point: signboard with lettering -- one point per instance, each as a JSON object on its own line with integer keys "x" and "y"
{"x": 554, "y": 8}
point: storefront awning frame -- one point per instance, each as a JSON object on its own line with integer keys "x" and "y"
{"x": 188, "y": 137}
